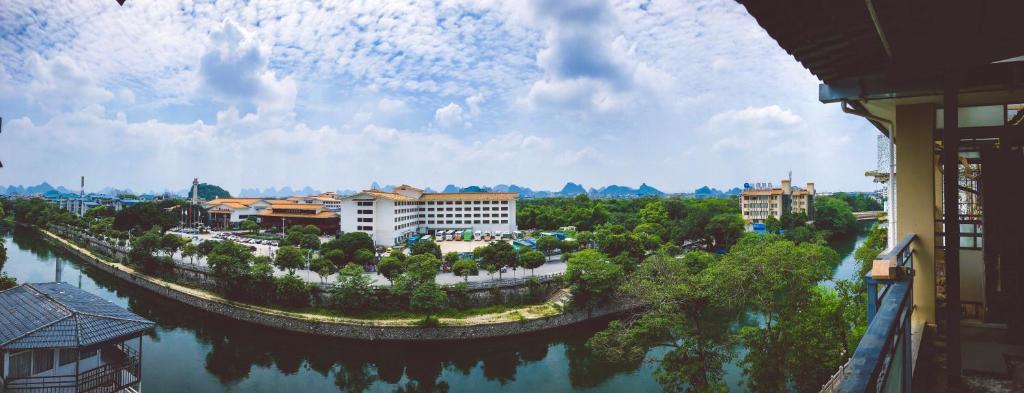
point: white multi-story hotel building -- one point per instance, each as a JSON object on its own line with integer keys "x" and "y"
{"x": 391, "y": 217}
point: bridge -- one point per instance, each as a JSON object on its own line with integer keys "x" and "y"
{"x": 872, "y": 215}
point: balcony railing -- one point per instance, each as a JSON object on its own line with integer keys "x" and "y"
{"x": 110, "y": 377}
{"x": 883, "y": 361}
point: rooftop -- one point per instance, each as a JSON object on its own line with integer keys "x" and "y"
{"x": 59, "y": 315}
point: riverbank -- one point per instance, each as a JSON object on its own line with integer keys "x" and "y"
{"x": 524, "y": 320}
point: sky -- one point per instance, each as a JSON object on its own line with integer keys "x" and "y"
{"x": 336, "y": 95}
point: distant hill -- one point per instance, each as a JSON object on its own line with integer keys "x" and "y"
{"x": 272, "y": 192}
{"x": 571, "y": 188}
{"x": 37, "y": 189}
{"x": 210, "y": 192}
{"x": 708, "y": 192}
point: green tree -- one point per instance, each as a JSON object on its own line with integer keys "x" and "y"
{"x": 776, "y": 278}
{"x": 772, "y": 225}
{"x": 548, "y": 244}
{"x": 208, "y": 192}
{"x": 289, "y": 258}
{"x": 391, "y": 268}
{"x": 7, "y": 282}
{"x": 342, "y": 250}
{"x": 354, "y": 289}
{"x": 427, "y": 298}
{"x": 323, "y": 267}
{"x": 451, "y": 257}
{"x": 426, "y": 247}
{"x": 363, "y": 257}
{"x": 144, "y": 216}
{"x": 834, "y": 215}
{"x": 291, "y": 291}
{"x": 190, "y": 250}
{"x": 250, "y": 225}
{"x": 688, "y": 315}
{"x": 170, "y": 243}
{"x": 531, "y": 259}
{"x": 592, "y": 276}
{"x": 465, "y": 268}
{"x": 725, "y": 229}
{"x": 98, "y": 212}
{"x": 231, "y": 264}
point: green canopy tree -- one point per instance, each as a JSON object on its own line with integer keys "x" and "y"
{"x": 190, "y": 250}
{"x": 834, "y": 215}
{"x": 391, "y": 268}
{"x": 250, "y": 225}
{"x": 725, "y": 229}
{"x": 465, "y": 268}
{"x": 531, "y": 260}
{"x": 688, "y": 315}
{"x": 354, "y": 290}
{"x": 323, "y": 267}
{"x": 548, "y": 244}
{"x": 289, "y": 258}
{"x": 426, "y": 247}
{"x": 592, "y": 276}
{"x": 776, "y": 277}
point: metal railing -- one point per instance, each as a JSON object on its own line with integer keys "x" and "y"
{"x": 110, "y": 377}
{"x": 883, "y": 360}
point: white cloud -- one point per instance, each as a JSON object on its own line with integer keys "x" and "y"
{"x": 59, "y": 84}
{"x": 390, "y": 105}
{"x": 473, "y": 103}
{"x": 449, "y": 115}
{"x": 233, "y": 86}
{"x": 588, "y": 65}
{"x": 234, "y": 69}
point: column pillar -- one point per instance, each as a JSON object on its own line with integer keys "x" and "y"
{"x": 915, "y": 203}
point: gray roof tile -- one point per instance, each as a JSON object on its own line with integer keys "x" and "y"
{"x": 59, "y": 315}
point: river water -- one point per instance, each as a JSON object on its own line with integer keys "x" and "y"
{"x": 194, "y": 351}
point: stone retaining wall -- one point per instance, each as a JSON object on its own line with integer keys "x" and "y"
{"x": 245, "y": 313}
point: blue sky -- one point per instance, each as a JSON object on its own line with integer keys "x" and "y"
{"x": 677, "y": 94}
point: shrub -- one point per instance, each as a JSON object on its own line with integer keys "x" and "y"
{"x": 427, "y": 298}
{"x": 353, "y": 291}
{"x": 291, "y": 291}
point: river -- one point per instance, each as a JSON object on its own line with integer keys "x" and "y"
{"x": 197, "y": 352}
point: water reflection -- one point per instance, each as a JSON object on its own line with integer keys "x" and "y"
{"x": 201, "y": 352}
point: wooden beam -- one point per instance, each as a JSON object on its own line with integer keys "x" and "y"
{"x": 951, "y": 208}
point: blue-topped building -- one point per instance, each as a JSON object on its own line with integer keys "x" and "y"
{"x": 55, "y": 337}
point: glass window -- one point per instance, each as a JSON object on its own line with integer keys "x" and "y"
{"x": 21, "y": 364}
{"x": 85, "y": 354}
{"x": 42, "y": 360}
{"x": 68, "y": 356}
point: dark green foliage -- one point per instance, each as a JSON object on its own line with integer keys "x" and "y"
{"x": 7, "y": 282}
{"x": 342, "y": 250}
{"x": 290, "y": 258}
{"x": 144, "y": 251}
{"x": 210, "y": 192}
{"x": 689, "y": 314}
{"x": 496, "y": 255}
{"x": 391, "y": 268}
{"x": 465, "y": 268}
{"x": 772, "y": 225}
{"x": 859, "y": 202}
{"x": 592, "y": 276}
{"x": 834, "y": 215}
{"x": 100, "y": 212}
{"x": 548, "y": 244}
{"x": 427, "y": 298}
{"x": 531, "y": 259}
{"x": 426, "y": 247}
{"x": 307, "y": 237}
{"x": 144, "y": 216}
{"x": 354, "y": 290}
{"x": 291, "y": 291}
{"x": 725, "y": 229}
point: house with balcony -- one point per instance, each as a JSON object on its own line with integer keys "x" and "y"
{"x": 55, "y": 337}
{"x": 944, "y": 83}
